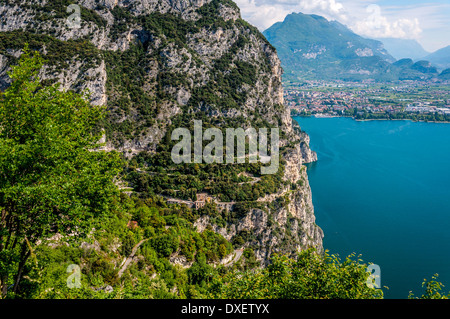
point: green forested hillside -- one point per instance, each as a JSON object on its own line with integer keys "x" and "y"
{"x": 313, "y": 48}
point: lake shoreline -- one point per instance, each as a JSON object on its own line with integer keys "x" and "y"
{"x": 368, "y": 120}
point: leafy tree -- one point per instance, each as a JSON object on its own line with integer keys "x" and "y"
{"x": 311, "y": 276}
{"x": 51, "y": 179}
{"x": 165, "y": 244}
{"x": 432, "y": 290}
{"x": 200, "y": 272}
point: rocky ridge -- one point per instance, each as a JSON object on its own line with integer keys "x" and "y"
{"x": 152, "y": 62}
{"x": 287, "y": 227}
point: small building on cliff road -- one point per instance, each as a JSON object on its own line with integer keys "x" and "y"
{"x": 201, "y": 200}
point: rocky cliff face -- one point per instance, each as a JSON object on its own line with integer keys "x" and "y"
{"x": 286, "y": 222}
{"x": 149, "y": 61}
{"x": 156, "y": 62}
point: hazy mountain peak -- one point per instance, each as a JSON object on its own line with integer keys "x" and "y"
{"x": 404, "y": 48}
{"x": 440, "y": 58}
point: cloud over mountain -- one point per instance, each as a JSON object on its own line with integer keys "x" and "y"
{"x": 360, "y": 16}
{"x": 376, "y": 25}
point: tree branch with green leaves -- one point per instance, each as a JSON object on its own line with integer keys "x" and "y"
{"x": 53, "y": 177}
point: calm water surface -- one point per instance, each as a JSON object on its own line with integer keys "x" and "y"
{"x": 382, "y": 189}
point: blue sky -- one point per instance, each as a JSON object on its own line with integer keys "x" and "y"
{"x": 426, "y": 21}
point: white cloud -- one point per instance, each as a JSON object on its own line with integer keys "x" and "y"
{"x": 262, "y": 15}
{"x": 364, "y": 19}
{"x": 330, "y": 7}
{"x": 376, "y": 25}
{"x": 265, "y": 13}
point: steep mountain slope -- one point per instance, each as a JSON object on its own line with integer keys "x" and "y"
{"x": 440, "y": 58}
{"x": 312, "y": 47}
{"x": 404, "y": 48}
{"x": 147, "y": 61}
{"x": 157, "y": 65}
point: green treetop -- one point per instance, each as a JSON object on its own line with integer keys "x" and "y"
{"x": 310, "y": 276}
{"x": 51, "y": 179}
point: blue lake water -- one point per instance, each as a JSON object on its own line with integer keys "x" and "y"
{"x": 382, "y": 189}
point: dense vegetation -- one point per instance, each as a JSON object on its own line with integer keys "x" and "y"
{"x": 226, "y": 182}
{"x": 58, "y": 53}
{"x": 311, "y": 276}
{"x": 162, "y": 232}
{"x": 50, "y": 181}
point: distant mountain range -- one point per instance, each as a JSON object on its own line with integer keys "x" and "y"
{"x": 404, "y": 48}
{"x": 440, "y": 58}
{"x": 311, "y": 47}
